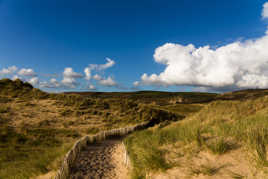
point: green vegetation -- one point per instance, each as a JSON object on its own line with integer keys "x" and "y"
{"x": 145, "y": 154}
{"x": 92, "y": 130}
{"x": 18, "y": 88}
{"x": 34, "y": 122}
{"x": 183, "y": 109}
{"x": 220, "y": 127}
{"x": 219, "y": 146}
{"x": 30, "y": 152}
{"x": 146, "y": 151}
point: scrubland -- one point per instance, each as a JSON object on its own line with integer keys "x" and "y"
{"x": 227, "y": 138}
{"x": 38, "y": 128}
{"x": 193, "y": 135}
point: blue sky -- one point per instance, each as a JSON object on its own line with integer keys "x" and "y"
{"x": 52, "y": 42}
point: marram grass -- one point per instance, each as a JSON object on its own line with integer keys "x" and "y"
{"x": 219, "y": 127}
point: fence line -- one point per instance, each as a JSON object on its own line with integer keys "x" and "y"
{"x": 70, "y": 157}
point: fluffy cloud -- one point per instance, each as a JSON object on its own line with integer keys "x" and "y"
{"x": 53, "y": 83}
{"x": 91, "y": 87}
{"x": 15, "y": 77}
{"x": 100, "y": 67}
{"x": 109, "y": 82}
{"x": 87, "y": 73}
{"x": 69, "y": 78}
{"x": 34, "y": 81}
{"x": 237, "y": 65}
{"x": 136, "y": 83}
{"x": 265, "y": 10}
{"x": 88, "y": 70}
{"x": 27, "y": 72}
{"x": 108, "y": 64}
{"x": 69, "y": 73}
{"x": 242, "y": 64}
{"x": 9, "y": 70}
{"x": 97, "y": 77}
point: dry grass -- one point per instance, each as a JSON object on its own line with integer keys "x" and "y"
{"x": 221, "y": 127}
{"x": 53, "y": 121}
{"x": 20, "y": 150}
{"x": 207, "y": 169}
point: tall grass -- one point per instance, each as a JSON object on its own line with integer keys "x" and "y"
{"x": 219, "y": 146}
{"x": 145, "y": 150}
{"x": 219, "y": 127}
{"x": 32, "y": 152}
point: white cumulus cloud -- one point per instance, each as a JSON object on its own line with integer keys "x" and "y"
{"x": 87, "y": 73}
{"x": 9, "y": 70}
{"x": 237, "y": 65}
{"x": 15, "y": 77}
{"x": 265, "y": 10}
{"x": 108, "y": 82}
{"x": 97, "y": 67}
{"x": 53, "y": 83}
{"x": 27, "y": 72}
{"x": 97, "y": 77}
{"x": 91, "y": 87}
{"x": 136, "y": 83}
{"x": 34, "y": 81}
{"x": 69, "y": 78}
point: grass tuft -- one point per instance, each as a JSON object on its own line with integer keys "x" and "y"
{"x": 208, "y": 170}
{"x": 219, "y": 146}
{"x": 236, "y": 175}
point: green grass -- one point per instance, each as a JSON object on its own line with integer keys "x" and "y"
{"x": 232, "y": 120}
{"x": 219, "y": 146}
{"x": 220, "y": 127}
{"x": 92, "y": 130}
{"x": 20, "y": 89}
{"x": 143, "y": 149}
{"x": 31, "y": 152}
{"x": 182, "y": 109}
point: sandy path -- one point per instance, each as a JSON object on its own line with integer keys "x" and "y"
{"x": 103, "y": 160}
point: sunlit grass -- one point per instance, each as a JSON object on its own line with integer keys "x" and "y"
{"x": 32, "y": 152}
{"x": 220, "y": 127}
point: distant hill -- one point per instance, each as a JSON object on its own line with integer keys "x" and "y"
{"x": 159, "y": 97}
{"x": 18, "y": 88}
{"x": 243, "y": 94}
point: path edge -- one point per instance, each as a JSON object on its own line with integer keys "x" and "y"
{"x": 70, "y": 157}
